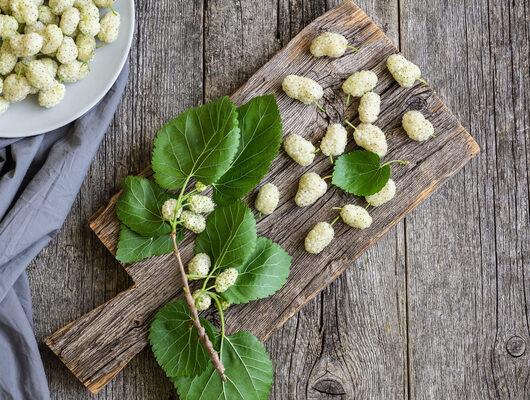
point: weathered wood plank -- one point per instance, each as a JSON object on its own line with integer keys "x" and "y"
{"x": 96, "y": 358}
{"x": 468, "y": 273}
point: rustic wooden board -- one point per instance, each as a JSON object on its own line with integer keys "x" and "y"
{"x": 98, "y": 345}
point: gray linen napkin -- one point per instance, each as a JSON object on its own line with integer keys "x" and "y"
{"x": 39, "y": 180}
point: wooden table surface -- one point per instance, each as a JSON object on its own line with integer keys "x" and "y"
{"x": 438, "y": 309}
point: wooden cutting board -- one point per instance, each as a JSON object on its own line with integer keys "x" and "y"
{"x": 99, "y": 344}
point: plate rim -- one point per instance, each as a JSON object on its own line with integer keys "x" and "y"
{"x": 98, "y": 98}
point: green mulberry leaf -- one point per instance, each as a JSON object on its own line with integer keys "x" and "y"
{"x": 264, "y": 273}
{"x": 261, "y": 136}
{"x": 230, "y": 235}
{"x": 248, "y": 370}
{"x": 201, "y": 143}
{"x": 133, "y": 247}
{"x": 139, "y": 207}
{"x": 175, "y": 341}
{"x": 360, "y": 173}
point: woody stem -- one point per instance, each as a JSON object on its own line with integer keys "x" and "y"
{"x": 203, "y": 337}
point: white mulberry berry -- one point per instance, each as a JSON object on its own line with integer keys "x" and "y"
{"x": 110, "y": 27}
{"x": 89, "y": 26}
{"x": 26, "y": 45}
{"x": 201, "y": 204}
{"x": 104, "y": 3}
{"x": 192, "y": 221}
{"x": 82, "y": 3}
{"x": 369, "y": 107}
{"x": 7, "y": 59}
{"x": 37, "y": 27}
{"x": 50, "y": 98}
{"x": 417, "y": 126}
{"x": 355, "y": 216}
{"x": 72, "y": 72}
{"x": 319, "y": 237}
{"x": 334, "y": 141}
{"x": 46, "y": 16}
{"x": 202, "y": 300}
{"x": 4, "y": 105}
{"x": 225, "y": 280}
{"x": 5, "y": 6}
{"x": 60, "y": 6}
{"x": 384, "y": 195}
{"x": 51, "y": 65}
{"x": 404, "y": 72}
{"x": 8, "y": 26}
{"x": 67, "y": 51}
{"x": 371, "y": 138}
{"x": 303, "y": 89}
{"x": 169, "y": 210}
{"x": 310, "y": 188}
{"x": 16, "y": 88}
{"x": 199, "y": 266}
{"x": 20, "y": 68}
{"x": 88, "y": 9}
{"x": 329, "y": 44}
{"x": 86, "y": 46}
{"x": 267, "y": 199}
{"x": 299, "y": 149}
{"x": 360, "y": 83}
{"x": 53, "y": 38}
{"x": 25, "y": 11}
{"x": 69, "y": 21}
{"x": 39, "y": 76}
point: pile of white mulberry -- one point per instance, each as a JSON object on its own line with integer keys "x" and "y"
{"x": 367, "y": 135}
{"x": 45, "y": 44}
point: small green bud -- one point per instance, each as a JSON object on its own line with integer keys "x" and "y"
{"x": 224, "y": 304}
{"x": 200, "y": 187}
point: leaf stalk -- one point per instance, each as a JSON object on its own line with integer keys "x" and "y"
{"x": 221, "y": 314}
{"x": 319, "y": 106}
{"x": 335, "y": 220}
{"x": 400, "y": 162}
{"x": 350, "y": 124}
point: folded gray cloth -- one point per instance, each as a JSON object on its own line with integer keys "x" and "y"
{"x": 39, "y": 180}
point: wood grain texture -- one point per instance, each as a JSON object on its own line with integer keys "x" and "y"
{"x": 98, "y": 345}
{"x": 466, "y": 313}
{"x": 468, "y": 304}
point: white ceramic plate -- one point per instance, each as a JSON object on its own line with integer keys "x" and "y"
{"x": 27, "y": 118}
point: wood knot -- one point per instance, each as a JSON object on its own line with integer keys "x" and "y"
{"x": 418, "y": 103}
{"x": 329, "y": 387}
{"x": 516, "y": 346}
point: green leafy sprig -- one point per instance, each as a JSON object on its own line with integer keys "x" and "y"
{"x": 361, "y": 173}
{"x": 231, "y": 150}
